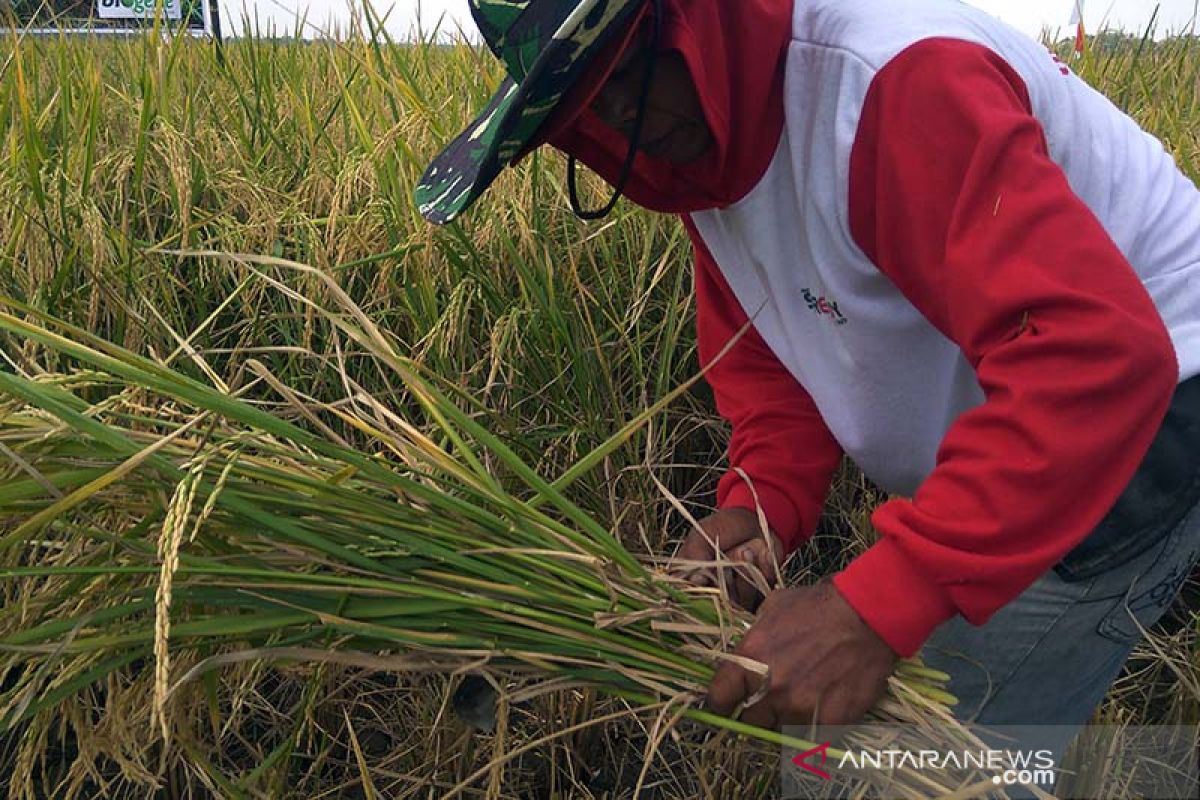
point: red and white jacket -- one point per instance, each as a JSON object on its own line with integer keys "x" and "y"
{"x": 965, "y": 269}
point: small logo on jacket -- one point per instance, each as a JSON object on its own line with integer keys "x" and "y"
{"x": 824, "y": 306}
{"x": 1063, "y": 68}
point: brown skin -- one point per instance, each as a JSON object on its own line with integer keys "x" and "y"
{"x": 674, "y": 128}
{"x": 737, "y": 535}
{"x": 825, "y": 664}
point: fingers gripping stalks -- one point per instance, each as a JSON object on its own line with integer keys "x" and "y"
{"x": 735, "y": 551}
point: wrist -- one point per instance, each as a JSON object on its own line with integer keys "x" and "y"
{"x": 780, "y": 513}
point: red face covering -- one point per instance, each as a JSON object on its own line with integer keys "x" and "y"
{"x": 734, "y": 50}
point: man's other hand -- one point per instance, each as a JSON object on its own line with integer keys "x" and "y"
{"x": 824, "y": 663}
{"x": 738, "y": 535}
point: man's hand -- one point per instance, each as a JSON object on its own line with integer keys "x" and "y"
{"x": 738, "y": 535}
{"x": 826, "y": 664}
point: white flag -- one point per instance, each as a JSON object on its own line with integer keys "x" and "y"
{"x": 1076, "y": 12}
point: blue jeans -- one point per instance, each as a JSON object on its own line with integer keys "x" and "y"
{"x": 1049, "y": 657}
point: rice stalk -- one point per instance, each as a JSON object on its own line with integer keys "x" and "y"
{"x": 306, "y": 547}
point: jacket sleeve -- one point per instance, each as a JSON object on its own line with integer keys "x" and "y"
{"x": 778, "y": 437}
{"x": 953, "y": 195}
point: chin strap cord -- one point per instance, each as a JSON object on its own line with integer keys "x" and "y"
{"x": 634, "y": 137}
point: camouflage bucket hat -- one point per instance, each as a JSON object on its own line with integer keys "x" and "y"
{"x": 546, "y": 46}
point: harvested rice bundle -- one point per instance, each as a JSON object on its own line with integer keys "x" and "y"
{"x": 152, "y": 518}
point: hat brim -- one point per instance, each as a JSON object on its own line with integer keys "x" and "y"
{"x": 512, "y": 123}
{"x": 584, "y": 91}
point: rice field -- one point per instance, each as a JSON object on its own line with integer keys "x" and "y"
{"x": 183, "y": 227}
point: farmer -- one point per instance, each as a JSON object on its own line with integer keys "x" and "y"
{"x": 964, "y": 269}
